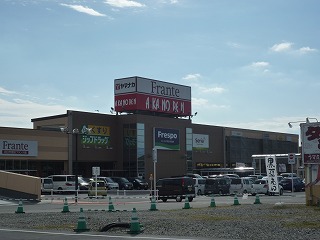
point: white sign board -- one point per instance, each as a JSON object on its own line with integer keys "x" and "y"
{"x": 18, "y": 148}
{"x": 291, "y": 158}
{"x": 95, "y": 171}
{"x": 271, "y": 167}
{"x": 200, "y": 141}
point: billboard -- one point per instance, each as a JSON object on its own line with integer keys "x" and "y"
{"x": 310, "y": 137}
{"x": 166, "y": 138}
{"x": 99, "y": 136}
{"x": 136, "y": 93}
{"x": 18, "y": 148}
{"x": 200, "y": 142}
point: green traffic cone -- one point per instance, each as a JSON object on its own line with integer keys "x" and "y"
{"x": 20, "y": 207}
{"x": 236, "y": 201}
{"x": 135, "y": 226}
{"x": 186, "y": 203}
{"x": 257, "y": 201}
{"x": 65, "y": 206}
{"x": 111, "y": 207}
{"x": 153, "y": 206}
{"x": 212, "y": 203}
{"x": 82, "y": 225}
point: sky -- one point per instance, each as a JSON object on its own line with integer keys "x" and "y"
{"x": 250, "y": 64}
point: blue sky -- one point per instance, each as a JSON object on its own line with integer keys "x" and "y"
{"x": 251, "y": 64}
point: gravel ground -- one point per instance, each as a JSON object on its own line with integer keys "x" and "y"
{"x": 256, "y": 221}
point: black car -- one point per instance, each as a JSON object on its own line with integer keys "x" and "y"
{"x": 219, "y": 185}
{"x": 138, "y": 183}
{"x": 298, "y": 184}
{"x": 124, "y": 183}
{"x": 176, "y": 188}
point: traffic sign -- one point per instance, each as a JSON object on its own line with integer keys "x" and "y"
{"x": 291, "y": 158}
{"x": 95, "y": 171}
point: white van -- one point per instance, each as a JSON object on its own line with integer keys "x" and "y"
{"x": 241, "y": 185}
{"x": 46, "y": 185}
{"x": 63, "y": 183}
{"x": 199, "y": 184}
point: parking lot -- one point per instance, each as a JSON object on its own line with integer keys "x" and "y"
{"x": 126, "y": 200}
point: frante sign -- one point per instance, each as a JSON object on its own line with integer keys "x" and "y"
{"x": 18, "y": 148}
{"x": 136, "y": 93}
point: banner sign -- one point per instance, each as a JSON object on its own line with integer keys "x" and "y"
{"x": 310, "y": 137}
{"x": 200, "y": 142}
{"x": 144, "y": 94}
{"x": 99, "y": 135}
{"x": 271, "y": 167}
{"x": 167, "y": 139}
{"x": 18, "y": 148}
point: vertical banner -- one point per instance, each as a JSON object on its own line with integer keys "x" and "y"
{"x": 271, "y": 167}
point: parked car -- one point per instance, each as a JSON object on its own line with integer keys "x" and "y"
{"x": 298, "y": 184}
{"x": 241, "y": 185}
{"x": 83, "y": 184}
{"x": 138, "y": 183}
{"x": 262, "y": 186}
{"x": 63, "y": 183}
{"x": 46, "y": 185}
{"x": 217, "y": 185}
{"x": 108, "y": 181}
{"x": 256, "y": 177}
{"x": 284, "y": 175}
{"x": 199, "y": 184}
{"x": 124, "y": 184}
{"x": 100, "y": 190}
{"x": 176, "y": 188}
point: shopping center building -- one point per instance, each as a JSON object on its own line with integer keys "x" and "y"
{"x": 148, "y": 114}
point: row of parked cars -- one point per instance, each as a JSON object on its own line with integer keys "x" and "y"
{"x": 61, "y": 183}
{"x": 180, "y": 187}
{"x": 232, "y": 184}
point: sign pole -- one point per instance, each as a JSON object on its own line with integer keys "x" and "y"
{"x": 155, "y": 159}
{"x": 291, "y": 161}
{"x": 95, "y": 173}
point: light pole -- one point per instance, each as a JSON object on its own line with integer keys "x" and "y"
{"x": 75, "y": 132}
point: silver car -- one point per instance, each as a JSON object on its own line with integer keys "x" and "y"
{"x": 262, "y": 186}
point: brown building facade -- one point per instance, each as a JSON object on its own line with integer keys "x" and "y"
{"x": 122, "y": 145}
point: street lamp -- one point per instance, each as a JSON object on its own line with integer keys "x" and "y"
{"x": 75, "y": 132}
{"x": 306, "y": 121}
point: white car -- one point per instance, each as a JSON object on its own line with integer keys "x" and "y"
{"x": 261, "y": 186}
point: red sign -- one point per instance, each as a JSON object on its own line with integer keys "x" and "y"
{"x": 144, "y": 102}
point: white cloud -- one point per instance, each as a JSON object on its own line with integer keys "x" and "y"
{"x": 83, "y": 9}
{"x": 199, "y": 101}
{"x": 214, "y": 90}
{"x": 282, "y": 47}
{"x": 192, "y": 77}
{"x": 305, "y": 50}
{"x": 5, "y": 91}
{"x": 124, "y": 3}
{"x": 260, "y": 64}
{"x": 19, "y": 112}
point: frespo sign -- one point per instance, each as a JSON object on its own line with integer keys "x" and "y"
{"x": 166, "y": 138}
{"x": 18, "y": 148}
{"x": 136, "y": 93}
